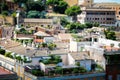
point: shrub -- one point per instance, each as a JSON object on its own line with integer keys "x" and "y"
{"x": 37, "y": 72}
{"x": 7, "y": 54}
{"x": 2, "y": 51}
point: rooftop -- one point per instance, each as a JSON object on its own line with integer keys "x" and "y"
{"x": 40, "y": 33}
{"x": 4, "y": 71}
{"x": 55, "y": 15}
{"x": 98, "y": 9}
{"x": 38, "y": 20}
{"x": 107, "y": 4}
{"x": 64, "y": 36}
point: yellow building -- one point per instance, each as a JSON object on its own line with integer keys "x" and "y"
{"x": 113, "y": 6}
{"x": 72, "y": 2}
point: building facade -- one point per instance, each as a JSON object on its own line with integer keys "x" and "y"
{"x": 85, "y": 2}
{"x": 113, "y": 6}
{"x": 103, "y": 16}
{"x": 112, "y": 65}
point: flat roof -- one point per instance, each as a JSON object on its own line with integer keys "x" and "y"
{"x": 55, "y": 15}
{"x": 107, "y": 4}
{"x": 38, "y": 20}
{"x": 4, "y": 71}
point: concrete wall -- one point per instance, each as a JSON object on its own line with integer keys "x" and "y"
{"x": 77, "y": 46}
{"x": 108, "y": 42}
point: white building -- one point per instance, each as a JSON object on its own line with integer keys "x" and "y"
{"x": 77, "y": 46}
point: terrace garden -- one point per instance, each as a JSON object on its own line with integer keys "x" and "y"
{"x": 12, "y": 55}
{"x": 54, "y": 59}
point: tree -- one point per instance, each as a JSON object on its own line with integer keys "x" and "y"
{"x": 2, "y": 51}
{"x": 59, "y": 6}
{"x": 89, "y": 25}
{"x": 110, "y": 34}
{"x": 73, "y": 11}
{"x": 4, "y": 7}
{"x": 35, "y": 5}
{"x": 96, "y": 24}
{"x": 64, "y": 22}
{"x": 20, "y": 1}
{"x": 52, "y": 2}
{"x": 36, "y": 14}
{"x": 5, "y": 13}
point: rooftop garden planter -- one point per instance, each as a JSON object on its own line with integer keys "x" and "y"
{"x": 2, "y": 51}
{"x": 52, "y": 60}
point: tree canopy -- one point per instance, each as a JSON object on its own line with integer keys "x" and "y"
{"x": 35, "y": 5}
{"x": 36, "y": 14}
{"x": 20, "y": 1}
{"x": 73, "y": 11}
{"x": 89, "y": 25}
{"x": 110, "y": 34}
{"x": 59, "y": 6}
{"x": 3, "y": 7}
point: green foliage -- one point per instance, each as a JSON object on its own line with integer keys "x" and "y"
{"x": 75, "y": 70}
{"x": 73, "y": 11}
{"x": 78, "y": 63}
{"x": 37, "y": 72}
{"x": 3, "y": 7}
{"x": 20, "y": 1}
{"x": 19, "y": 58}
{"x": 58, "y": 70}
{"x": 2, "y": 51}
{"x": 110, "y": 35}
{"x": 59, "y": 6}
{"x": 99, "y": 68}
{"x": 96, "y": 24}
{"x": 14, "y": 14}
{"x": 89, "y": 25}
{"x": 82, "y": 69}
{"x": 23, "y": 31}
{"x": 8, "y": 54}
{"x": 35, "y": 5}
{"x": 64, "y": 22}
{"x": 53, "y": 60}
{"x": 36, "y": 14}
{"x": 5, "y": 13}
{"x": 52, "y": 2}
{"x": 74, "y": 27}
{"x": 51, "y": 46}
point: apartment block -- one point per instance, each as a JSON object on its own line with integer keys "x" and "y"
{"x": 113, "y": 6}
{"x": 103, "y": 16}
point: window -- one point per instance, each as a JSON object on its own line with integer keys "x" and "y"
{"x": 118, "y": 77}
{"x": 110, "y": 77}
